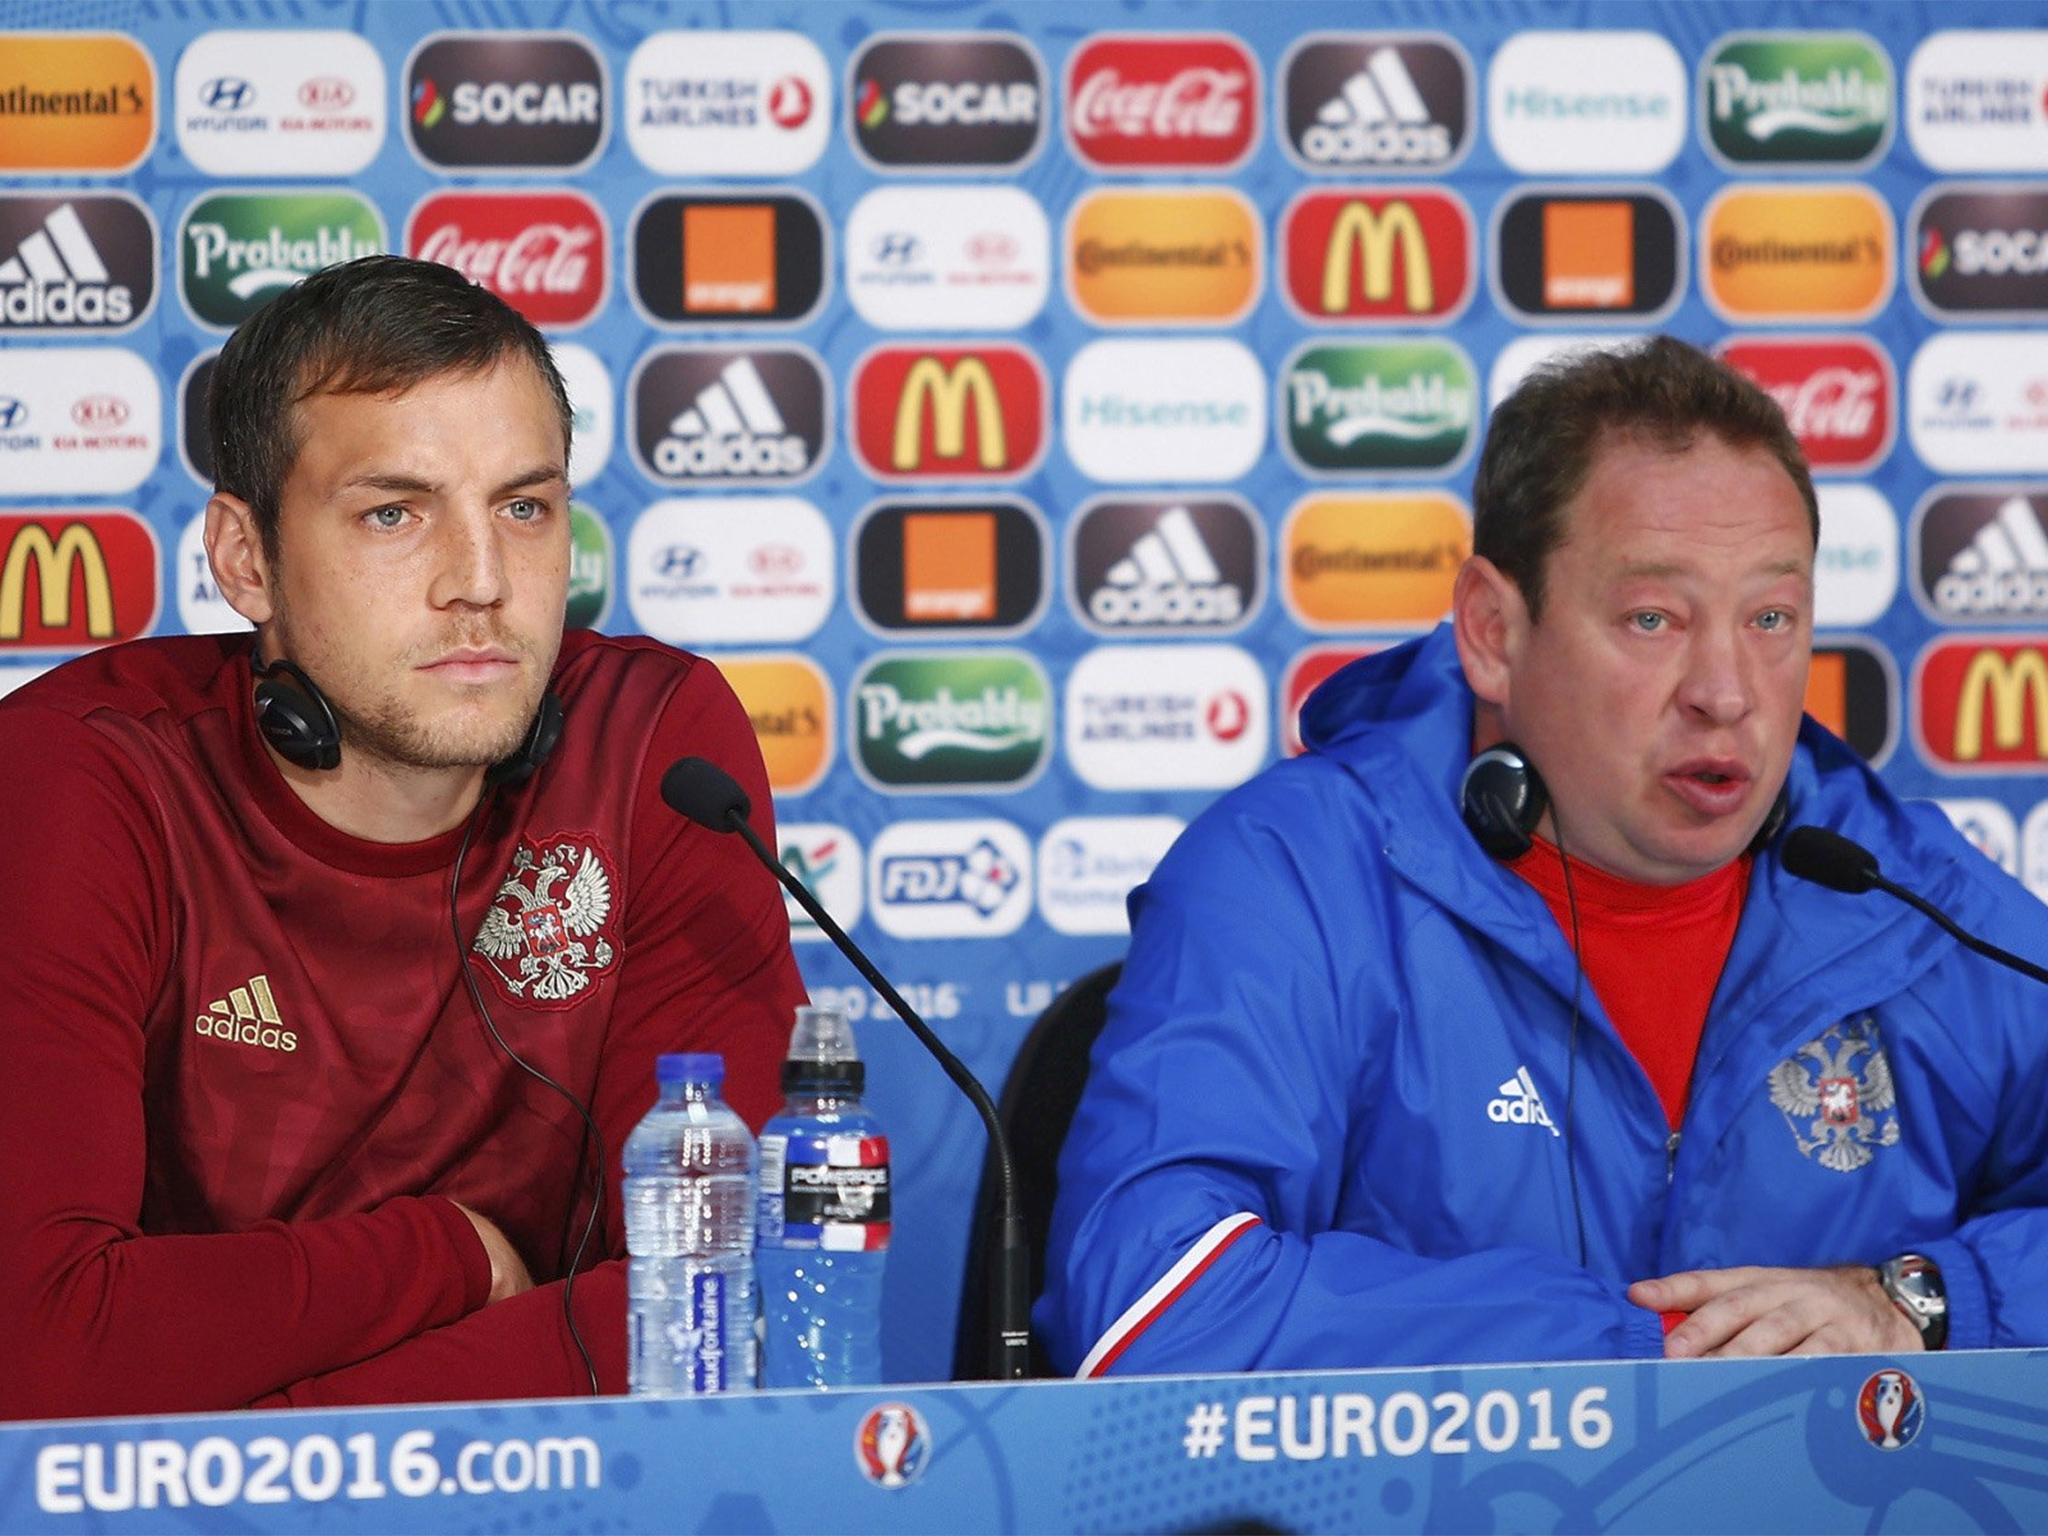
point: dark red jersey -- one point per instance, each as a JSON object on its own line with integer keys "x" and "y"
{"x": 241, "y": 1078}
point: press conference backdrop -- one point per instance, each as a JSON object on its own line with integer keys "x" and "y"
{"x": 1028, "y": 404}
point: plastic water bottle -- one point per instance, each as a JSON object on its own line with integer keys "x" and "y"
{"x": 824, "y": 1215}
{"x": 689, "y": 1195}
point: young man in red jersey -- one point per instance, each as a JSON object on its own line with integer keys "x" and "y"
{"x": 266, "y": 1137}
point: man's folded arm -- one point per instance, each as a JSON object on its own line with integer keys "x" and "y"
{"x": 1195, "y": 1229}
{"x": 96, "y": 1318}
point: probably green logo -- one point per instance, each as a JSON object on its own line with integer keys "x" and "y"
{"x": 1379, "y": 406}
{"x": 1797, "y": 98}
{"x": 940, "y": 721}
{"x": 239, "y": 250}
{"x": 590, "y": 568}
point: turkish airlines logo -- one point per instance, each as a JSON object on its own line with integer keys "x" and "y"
{"x": 1377, "y": 103}
{"x": 1158, "y": 102}
{"x": 1398, "y": 257}
{"x": 949, "y": 413}
{"x": 541, "y": 252}
{"x": 72, "y": 580}
{"x": 1983, "y": 704}
{"x": 1839, "y": 396}
{"x": 722, "y": 416}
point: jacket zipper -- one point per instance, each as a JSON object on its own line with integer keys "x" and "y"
{"x": 1670, "y": 1158}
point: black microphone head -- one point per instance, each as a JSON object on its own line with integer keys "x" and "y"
{"x": 1829, "y": 859}
{"x": 704, "y": 793}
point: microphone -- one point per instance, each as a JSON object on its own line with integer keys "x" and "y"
{"x": 1830, "y": 859}
{"x": 702, "y": 792}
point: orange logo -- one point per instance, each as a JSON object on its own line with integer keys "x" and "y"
{"x": 1827, "y": 691}
{"x": 791, "y": 709}
{"x": 1163, "y": 257}
{"x": 1589, "y": 255}
{"x": 1366, "y": 561}
{"x": 1797, "y": 253}
{"x": 75, "y": 101}
{"x": 949, "y": 566}
{"x": 729, "y": 259}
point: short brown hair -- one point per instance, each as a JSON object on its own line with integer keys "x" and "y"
{"x": 1542, "y": 440}
{"x": 369, "y": 326}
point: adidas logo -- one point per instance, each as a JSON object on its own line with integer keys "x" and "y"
{"x": 248, "y": 1016}
{"x": 56, "y": 277}
{"x": 1168, "y": 577}
{"x": 2003, "y": 570}
{"x": 733, "y": 429}
{"x": 1519, "y": 1103}
{"x": 1378, "y": 117}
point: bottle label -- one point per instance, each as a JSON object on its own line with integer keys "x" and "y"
{"x": 705, "y": 1340}
{"x": 834, "y": 1193}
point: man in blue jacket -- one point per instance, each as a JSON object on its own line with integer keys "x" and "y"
{"x": 1360, "y": 1103}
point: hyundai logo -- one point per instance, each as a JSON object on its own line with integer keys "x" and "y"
{"x": 897, "y": 248}
{"x": 13, "y": 413}
{"x": 227, "y": 93}
{"x": 1957, "y": 394}
{"x": 678, "y": 560}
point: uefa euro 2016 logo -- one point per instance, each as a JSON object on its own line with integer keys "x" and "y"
{"x": 1891, "y": 1410}
{"x": 891, "y": 1444}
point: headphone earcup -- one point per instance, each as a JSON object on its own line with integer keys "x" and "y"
{"x": 295, "y": 718}
{"x": 1774, "y": 821}
{"x": 540, "y": 741}
{"x": 1502, "y": 799}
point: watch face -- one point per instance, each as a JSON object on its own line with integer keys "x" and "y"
{"x": 1915, "y": 1284}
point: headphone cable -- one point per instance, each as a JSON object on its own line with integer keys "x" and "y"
{"x": 1571, "y": 1068}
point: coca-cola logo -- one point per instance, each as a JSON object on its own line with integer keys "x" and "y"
{"x": 326, "y": 93}
{"x": 96, "y": 413}
{"x": 1838, "y": 396}
{"x": 544, "y": 253}
{"x": 1141, "y": 101}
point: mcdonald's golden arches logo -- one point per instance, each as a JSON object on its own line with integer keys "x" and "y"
{"x": 972, "y": 413}
{"x": 1981, "y": 703}
{"x": 1399, "y": 255}
{"x": 75, "y": 580}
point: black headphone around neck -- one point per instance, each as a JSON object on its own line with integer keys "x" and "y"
{"x": 297, "y": 720}
{"x": 1502, "y": 798}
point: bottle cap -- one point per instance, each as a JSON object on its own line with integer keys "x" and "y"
{"x": 690, "y": 1067}
{"x": 822, "y": 1053}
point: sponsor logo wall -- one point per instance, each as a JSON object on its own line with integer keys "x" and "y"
{"x": 1029, "y": 410}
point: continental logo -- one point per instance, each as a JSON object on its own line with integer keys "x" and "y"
{"x": 1373, "y": 561}
{"x": 949, "y": 413}
{"x": 75, "y": 101}
{"x": 1982, "y": 704}
{"x": 1403, "y": 257}
{"x": 790, "y": 707}
{"x": 1163, "y": 257}
{"x": 73, "y": 581}
{"x": 1796, "y": 253}
{"x": 247, "y": 1016}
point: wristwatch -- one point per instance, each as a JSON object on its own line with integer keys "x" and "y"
{"x": 1915, "y": 1286}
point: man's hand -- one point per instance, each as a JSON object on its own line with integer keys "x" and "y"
{"x": 508, "y": 1270}
{"x": 1778, "y": 1312}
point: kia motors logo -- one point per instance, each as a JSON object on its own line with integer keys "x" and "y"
{"x": 968, "y": 567}
{"x": 74, "y": 580}
{"x": 717, "y": 570}
{"x": 1166, "y": 565}
{"x": 1165, "y": 717}
{"x": 949, "y": 413}
{"x": 1164, "y": 256}
{"x": 709, "y": 102}
{"x": 1981, "y": 704}
{"x": 1796, "y": 98}
{"x": 950, "y": 720}
{"x": 1580, "y": 255}
{"x": 1376, "y": 102}
{"x": 1852, "y": 688}
{"x": 544, "y": 253}
{"x": 728, "y": 416}
{"x": 1980, "y": 555}
{"x": 1977, "y": 101}
{"x": 950, "y": 880}
{"x": 81, "y": 262}
{"x": 75, "y": 102}
{"x": 1586, "y": 102}
{"x": 1157, "y": 101}
{"x": 1398, "y": 257}
{"x": 1384, "y": 408}
{"x": 789, "y": 705}
{"x": 1977, "y": 403}
{"x": 1982, "y": 251}
{"x": 970, "y": 258}
{"x": 1362, "y": 560}
{"x": 933, "y": 100}
{"x": 1838, "y": 393}
{"x": 728, "y": 259}
{"x": 77, "y": 421}
{"x": 326, "y": 93}
{"x": 1164, "y": 412}
{"x": 96, "y": 413}
{"x": 505, "y": 101}
{"x": 1796, "y": 253}
{"x": 280, "y": 103}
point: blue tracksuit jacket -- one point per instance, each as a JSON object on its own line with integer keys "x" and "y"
{"x": 1310, "y": 1135}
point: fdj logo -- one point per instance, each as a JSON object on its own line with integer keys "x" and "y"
{"x": 979, "y": 879}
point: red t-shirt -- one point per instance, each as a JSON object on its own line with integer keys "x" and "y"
{"x": 241, "y": 1079}
{"x": 1653, "y": 955}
